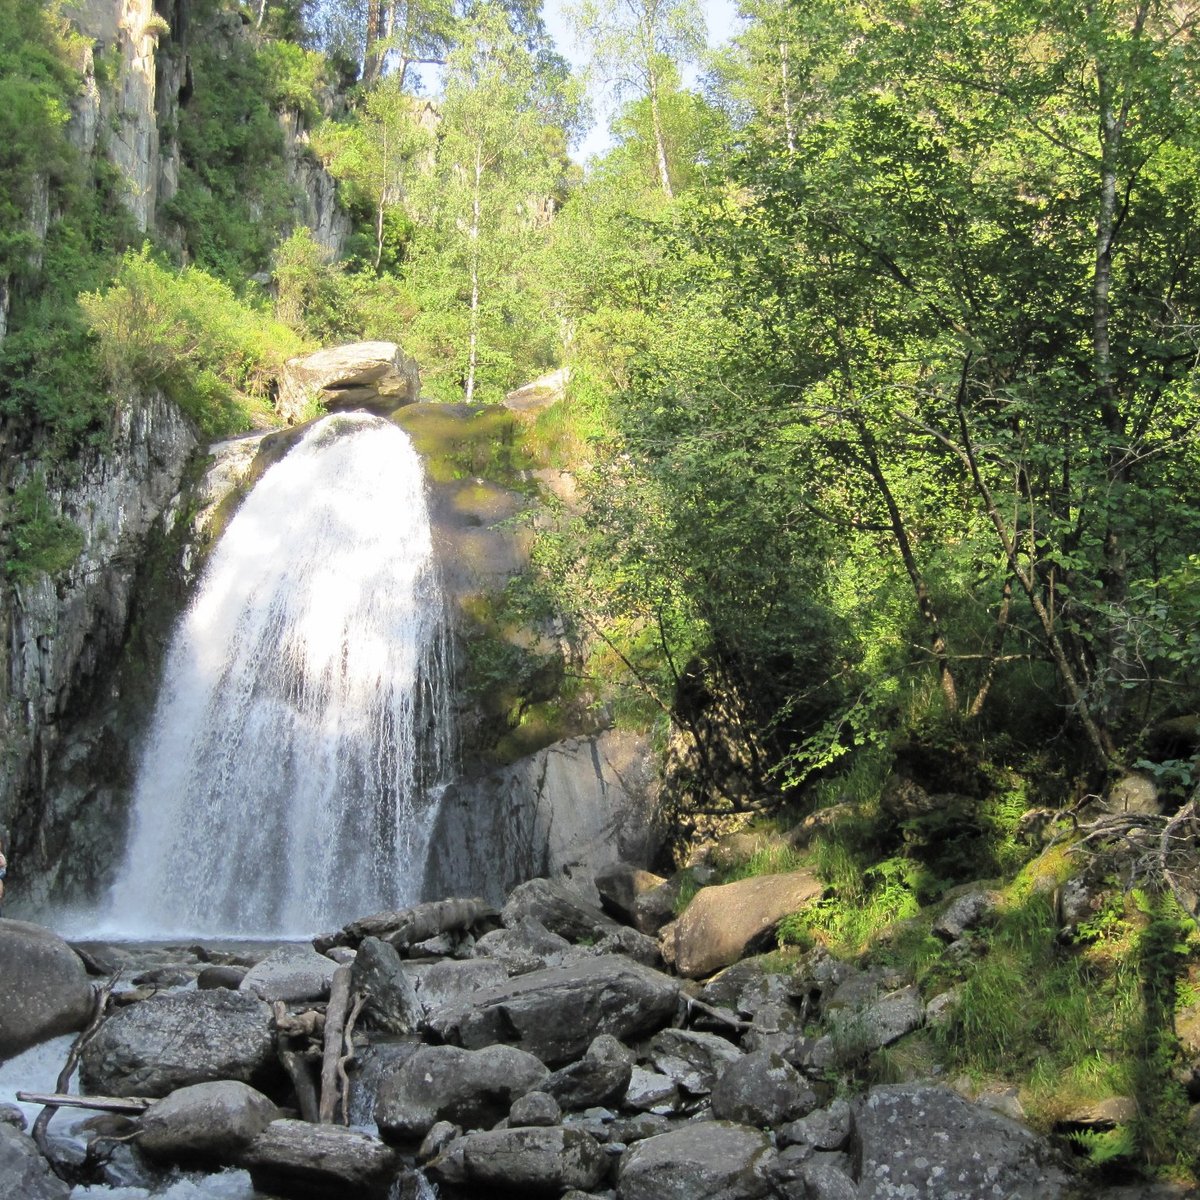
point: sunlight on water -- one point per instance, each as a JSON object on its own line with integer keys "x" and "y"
{"x": 290, "y": 779}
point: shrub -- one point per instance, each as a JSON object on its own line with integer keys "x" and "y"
{"x": 39, "y": 538}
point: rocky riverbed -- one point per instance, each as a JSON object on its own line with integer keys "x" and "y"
{"x": 545, "y": 1049}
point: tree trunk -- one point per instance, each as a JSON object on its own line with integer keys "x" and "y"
{"x": 473, "y": 335}
{"x": 660, "y": 144}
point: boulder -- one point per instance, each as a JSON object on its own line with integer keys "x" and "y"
{"x": 534, "y": 1108}
{"x": 762, "y": 1089}
{"x": 826, "y": 1129}
{"x": 172, "y": 1041}
{"x": 451, "y": 982}
{"x": 601, "y": 1076}
{"x": 374, "y": 375}
{"x": 620, "y": 885}
{"x": 44, "y": 988}
{"x": 207, "y": 1123}
{"x": 526, "y": 946}
{"x": 472, "y": 1088}
{"x": 712, "y": 1160}
{"x": 24, "y": 1173}
{"x": 967, "y": 911}
{"x": 693, "y": 1060}
{"x": 860, "y": 1030}
{"x": 727, "y": 922}
{"x": 657, "y": 907}
{"x": 296, "y": 1158}
{"x": 556, "y": 1012}
{"x": 927, "y": 1143}
{"x": 291, "y": 974}
{"x": 391, "y": 998}
{"x": 220, "y": 976}
{"x": 559, "y": 908}
{"x": 648, "y": 1091}
{"x": 530, "y": 1161}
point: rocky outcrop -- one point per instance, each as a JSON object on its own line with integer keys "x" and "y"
{"x": 376, "y": 376}
{"x": 44, "y": 988}
{"x": 319, "y": 209}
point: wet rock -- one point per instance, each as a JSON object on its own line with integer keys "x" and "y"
{"x": 207, "y": 1123}
{"x": 693, "y": 1060}
{"x": 24, "y": 1173}
{"x": 556, "y": 1012}
{"x": 925, "y": 1143}
{"x": 725, "y": 923}
{"x": 368, "y": 1069}
{"x": 560, "y": 909}
{"x": 44, "y": 987}
{"x": 437, "y": 1139}
{"x": 172, "y": 1041}
{"x": 296, "y": 1158}
{"x": 391, "y": 999}
{"x": 12, "y": 1114}
{"x": 472, "y": 1088}
{"x": 762, "y": 1089}
{"x": 529, "y": 1161}
{"x": 363, "y": 374}
{"x": 291, "y": 974}
{"x": 713, "y": 1160}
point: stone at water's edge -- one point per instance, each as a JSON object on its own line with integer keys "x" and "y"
{"x": 295, "y": 1158}
{"x": 723, "y": 924}
{"x": 208, "y": 1123}
{"x": 292, "y": 974}
{"x": 44, "y": 988}
{"x": 24, "y": 1174}
{"x": 172, "y": 1041}
{"x": 371, "y": 375}
{"x": 556, "y": 1012}
{"x": 532, "y": 1161}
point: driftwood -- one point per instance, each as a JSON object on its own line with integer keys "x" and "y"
{"x": 295, "y": 1061}
{"x": 335, "y": 1026}
{"x": 360, "y": 998}
{"x": 407, "y": 926}
{"x": 129, "y": 1106}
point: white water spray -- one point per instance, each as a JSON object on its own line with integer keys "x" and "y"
{"x": 290, "y": 779}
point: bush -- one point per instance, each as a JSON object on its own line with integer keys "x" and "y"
{"x": 188, "y": 334}
{"x": 39, "y": 538}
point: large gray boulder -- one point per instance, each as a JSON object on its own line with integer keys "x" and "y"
{"x": 391, "y": 996}
{"x": 173, "y": 1041}
{"x": 926, "y": 1143}
{"x": 453, "y": 982}
{"x": 555, "y": 1013}
{"x": 725, "y": 923}
{"x": 373, "y": 375}
{"x": 472, "y": 1088}
{"x": 296, "y": 1158}
{"x": 24, "y": 1173}
{"x": 526, "y": 946}
{"x": 290, "y": 973}
{"x": 711, "y": 1160}
{"x": 207, "y": 1123}
{"x": 44, "y": 988}
{"x": 559, "y": 908}
{"x": 762, "y": 1089}
{"x": 693, "y": 1059}
{"x": 532, "y": 1161}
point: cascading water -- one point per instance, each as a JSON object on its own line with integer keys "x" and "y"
{"x": 291, "y": 776}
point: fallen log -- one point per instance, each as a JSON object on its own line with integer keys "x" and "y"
{"x": 335, "y": 1024}
{"x": 130, "y": 1106}
{"x": 405, "y": 927}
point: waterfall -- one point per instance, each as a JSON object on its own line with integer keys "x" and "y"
{"x": 291, "y": 775}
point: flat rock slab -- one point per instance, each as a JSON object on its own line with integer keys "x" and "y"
{"x": 917, "y": 1142}
{"x": 531, "y": 1161}
{"x": 556, "y": 1012}
{"x": 295, "y": 1158}
{"x": 360, "y": 374}
{"x": 44, "y": 987}
{"x": 712, "y": 1160}
{"x": 173, "y": 1041}
{"x": 725, "y": 923}
{"x": 292, "y": 974}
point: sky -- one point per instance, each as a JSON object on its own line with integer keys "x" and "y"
{"x": 721, "y": 16}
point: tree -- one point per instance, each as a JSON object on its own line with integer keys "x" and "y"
{"x": 639, "y": 45}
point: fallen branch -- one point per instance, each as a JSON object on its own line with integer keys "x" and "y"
{"x": 130, "y": 1106}
{"x": 360, "y": 998}
{"x": 295, "y": 1062}
{"x": 335, "y": 1025}
{"x": 717, "y": 1014}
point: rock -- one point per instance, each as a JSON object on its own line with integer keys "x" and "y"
{"x": 559, "y": 908}
{"x": 375, "y": 375}
{"x": 437, "y": 1139}
{"x": 922, "y": 1142}
{"x": 593, "y": 1080}
{"x": 220, "y": 977}
{"x": 391, "y": 1005}
{"x": 630, "y": 943}
{"x": 859, "y": 1030}
{"x": 528, "y": 1161}
{"x": 827, "y": 1181}
{"x": 725, "y": 923}
{"x": 648, "y": 1091}
{"x": 24, "y": 1173}
{"x": 1133, "y": 793}
{"x": 540, "y": 394}
{"x": 826, "y": 1129}
{"x": 940, "y": 1010}
{"x": 449, "y": 982}
{"x": 556, "y": 1012}
{"x": 291, "y": 974}
{"x": 620, "y": 886}
{"x": 526, "y": 946}
{"x": 296, "y": 1158}
{"x": 208, "y": 1123}
{"x": 172, "y": 1041}
{"x": 44, "y": 987}
{"x": 12, "y": 1114}
{"x": 968, "y": 911}
{"x": 534, "y": 1108}
{"x": 657, "y": 907}
{"x": 472, "y": 1088}
{"x": 713, "y": 1160}
{"x": 368, "y": 1069}
{"x": 762, "y": 1089}
{"x": 693, "y": 1060}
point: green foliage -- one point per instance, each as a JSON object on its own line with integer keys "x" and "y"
{"x": 1105, "y": 1146}
{"x": 188, "y": 334}
{"x": 294, "y": 77}
{"x": 39, "y": 539}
